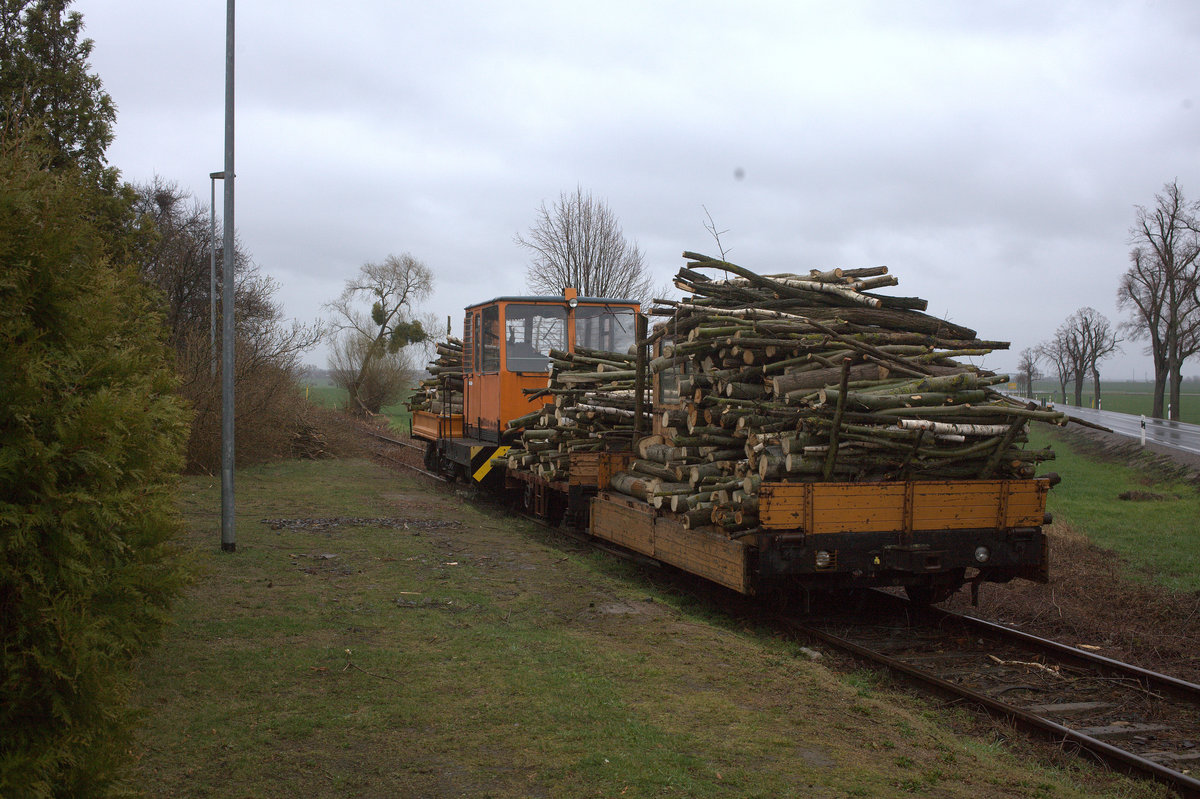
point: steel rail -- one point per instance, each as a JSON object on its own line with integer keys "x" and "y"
{"x": 1164, "y": 682}
{"x": 397, "y": 461}
{"x": 1186, "y": 785}
{"x": 382, "y": 437}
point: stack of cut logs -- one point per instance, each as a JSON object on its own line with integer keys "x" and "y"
{"x": 787, "y": 378}
{"x": 442, "y": 391}
{"x": 589, "y": 407}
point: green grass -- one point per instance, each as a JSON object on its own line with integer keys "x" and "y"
{"x": 325, "y": 396}
{"x": 328, "y": 396}
{"x": 496, "y": 659}
{"x": 1137, "y": 403}
{"x": 1159, "y": 539}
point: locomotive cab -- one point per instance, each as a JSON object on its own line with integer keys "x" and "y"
{"x": 507, "y": 355}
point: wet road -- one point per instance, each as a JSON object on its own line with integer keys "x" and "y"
{"x": 1177, "y": 435}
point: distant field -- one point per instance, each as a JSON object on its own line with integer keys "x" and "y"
{"x": 1128, "y": 397}
{"x": 330, "y": 396}
{"x": 326, "y": 396}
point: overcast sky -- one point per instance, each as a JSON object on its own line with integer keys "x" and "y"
{"x": 990, "y": 153}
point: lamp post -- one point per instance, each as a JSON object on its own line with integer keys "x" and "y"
{"x": 228, "y": 536}
{"x": 212, "y": 272}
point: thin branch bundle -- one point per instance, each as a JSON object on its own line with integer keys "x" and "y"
{"x": 815, "y": 377}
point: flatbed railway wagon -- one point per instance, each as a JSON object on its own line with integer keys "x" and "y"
{"x": 929, "y": 536}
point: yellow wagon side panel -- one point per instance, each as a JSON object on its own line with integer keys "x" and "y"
{"x": 1026, "y": 503}
{"x": 635, "y": 525}
{"x": 849, "y": 508}
{"x": 948, "y": 506}
{"x": 818, "y": 508}
{"x": 432, "y": 426}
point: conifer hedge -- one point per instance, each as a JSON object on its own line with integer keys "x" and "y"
{"x": 91, "y": 434}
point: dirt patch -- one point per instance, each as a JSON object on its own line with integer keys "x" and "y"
{"x": 335, "y": 522}
{"x": 1142, "y": 496}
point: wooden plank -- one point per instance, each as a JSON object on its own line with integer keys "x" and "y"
{"x": 609, "y": 464}
{"x": 617, "y": 519}
{"x": 708, "y": 554}
{"x": 950, "y": 506}
{"x": 781, "y": 506}
{"x": 856, "y": 507}
{"x": 584, "y": 468}
{"x": 1026, "y": 503}
{"x": 597, "y": 468}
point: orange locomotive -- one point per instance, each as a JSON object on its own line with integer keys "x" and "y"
{"x": 929, "y": 536}
{"x": 506, "y": 350}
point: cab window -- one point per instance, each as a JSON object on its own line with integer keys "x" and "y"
{"x": 530, "y": 332}
{"x": 476, "y": 351}
{"x": 490, "y": 341}
{"x": 604, "y": 328}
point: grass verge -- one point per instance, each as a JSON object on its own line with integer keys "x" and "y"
{"x": 1157, "y": 531}
{"x": 381, "y": 639}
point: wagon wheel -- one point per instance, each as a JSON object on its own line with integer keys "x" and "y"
{"x": 431, "y": 456}
{"x": 936, "y": 591}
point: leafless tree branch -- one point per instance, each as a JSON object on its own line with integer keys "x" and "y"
{"x": 578, "y": 243}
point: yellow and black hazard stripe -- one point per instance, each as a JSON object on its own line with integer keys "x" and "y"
{"x": 481, "y": 460}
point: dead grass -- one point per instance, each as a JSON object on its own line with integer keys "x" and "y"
{"x": 1092, "y": 600}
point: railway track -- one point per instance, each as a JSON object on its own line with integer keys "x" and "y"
{"x": 401, "y": 461}
{"x": 1131, "y": 718}
{"x": 580, "y": 537}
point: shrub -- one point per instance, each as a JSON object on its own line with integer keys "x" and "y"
{"x": 91, "y": 433}
{"x": 175, "y": 259}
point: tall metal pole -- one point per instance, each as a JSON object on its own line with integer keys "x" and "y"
{"x": 212, "y": 273}
{"x": 228, "y": 536}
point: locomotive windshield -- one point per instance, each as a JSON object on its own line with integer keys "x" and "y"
{"x": 530, "y": 332}
{"x": 604, "y": 328}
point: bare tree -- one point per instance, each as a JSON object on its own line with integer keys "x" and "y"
{"x": 579, "y": 244}
{"x": 1160, "y": 289}
{"x": 1027, "y": 370}
{"x": 393, "y": 287}
{"x": 1057, "y": 353}
{"x": 1140, "y": 293}
{"x": 1092, "y": 339}
{"x": 381, "y": 378}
